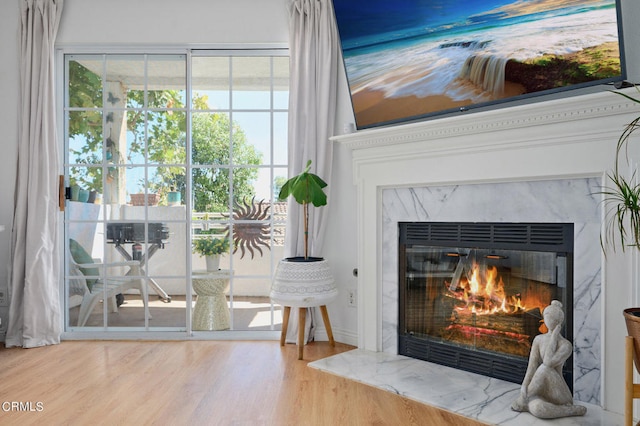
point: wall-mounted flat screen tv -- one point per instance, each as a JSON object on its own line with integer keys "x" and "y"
{"x": 410, "y": 59}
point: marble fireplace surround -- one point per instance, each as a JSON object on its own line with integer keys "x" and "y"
{"x": 530, "y": 163}
{"x": 567, "y": 201}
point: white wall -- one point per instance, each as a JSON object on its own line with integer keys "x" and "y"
{"x": 205, "y": 23}
{"x": 173, "y": 22}
{"x": 630, "y": 19}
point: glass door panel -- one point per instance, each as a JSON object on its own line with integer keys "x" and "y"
{"x": 126, "y": 127}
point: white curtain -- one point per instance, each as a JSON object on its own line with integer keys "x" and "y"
{"x": 313, "y": 51}
{"x": 34, "y": 310}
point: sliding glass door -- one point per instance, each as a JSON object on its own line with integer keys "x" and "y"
{"x": 172, "y": 161}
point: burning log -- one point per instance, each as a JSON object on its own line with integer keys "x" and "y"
{"x": 499, "y": 332}
{"x": 492, "y": 340}
{"x": 522, "y": 323}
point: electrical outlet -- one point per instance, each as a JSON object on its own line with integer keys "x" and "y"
{"x": 353, "y": 299}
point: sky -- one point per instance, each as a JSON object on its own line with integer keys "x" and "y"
{"x": 358, "y": 18}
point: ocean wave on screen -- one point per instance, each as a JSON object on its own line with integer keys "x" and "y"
{"x": 430, "y": 66}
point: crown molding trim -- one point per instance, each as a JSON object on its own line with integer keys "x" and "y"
{"x": 560, "y": 111}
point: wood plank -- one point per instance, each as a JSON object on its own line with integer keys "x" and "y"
{"x": 196, "y": 383}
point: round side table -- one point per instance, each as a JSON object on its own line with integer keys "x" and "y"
{"x": 211, "y": 311}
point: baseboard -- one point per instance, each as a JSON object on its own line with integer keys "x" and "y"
{"x": 339, "y": 335}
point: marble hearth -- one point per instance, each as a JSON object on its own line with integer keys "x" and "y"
{"x": 471, "y": 395}
{"x": 541, "y": 162}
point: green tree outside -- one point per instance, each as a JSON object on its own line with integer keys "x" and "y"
{"x": 214, "y": 140}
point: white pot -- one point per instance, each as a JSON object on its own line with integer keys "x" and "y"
{"x": 303, "y": 284}
{"x": 213, "y": 262}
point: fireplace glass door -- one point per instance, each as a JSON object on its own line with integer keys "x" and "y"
{"x": 478, "y": 308}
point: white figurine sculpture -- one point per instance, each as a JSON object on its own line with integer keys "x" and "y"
{"x": 544, "y": 392}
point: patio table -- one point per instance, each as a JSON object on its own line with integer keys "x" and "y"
{"x": 120, "y": 234}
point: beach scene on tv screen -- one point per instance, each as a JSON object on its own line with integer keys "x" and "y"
{"x": 407, "y": 59}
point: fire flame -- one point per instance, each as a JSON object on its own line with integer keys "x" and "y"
{"x": 484, "y": 295}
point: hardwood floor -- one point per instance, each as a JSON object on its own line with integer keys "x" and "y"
{"x": 193, "y": 383}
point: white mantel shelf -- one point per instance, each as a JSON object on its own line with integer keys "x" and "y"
{"x": 569, "y": 138}
{"x": 440, "y": 131}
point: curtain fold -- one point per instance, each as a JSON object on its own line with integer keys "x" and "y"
{"x": 313, "y": 51}
{"x": 34, "y": 296}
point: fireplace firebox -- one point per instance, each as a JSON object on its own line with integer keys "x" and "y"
{"x": 472, "y": 294}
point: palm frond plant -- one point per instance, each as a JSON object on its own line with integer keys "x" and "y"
{"x": 622, "y": 217}
{"x": 306, "y": 188}
{"x": 622, "y": 197}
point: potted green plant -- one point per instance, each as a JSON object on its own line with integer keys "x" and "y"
{"x": 306, "y": 188}
{"x": 622, "y": 216}
{"x": 623, "y": 196}
{"x": 212, "y": 248}
{"x": 304, "y": 281}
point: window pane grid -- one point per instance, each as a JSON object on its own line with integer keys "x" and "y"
{"x": 147, "y": 139}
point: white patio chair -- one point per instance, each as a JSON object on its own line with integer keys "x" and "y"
{"x": 86, "y": 281}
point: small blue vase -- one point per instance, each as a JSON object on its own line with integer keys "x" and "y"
{"x": 173, "y": 198}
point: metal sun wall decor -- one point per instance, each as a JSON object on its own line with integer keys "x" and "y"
{"x": 250, "y": 237}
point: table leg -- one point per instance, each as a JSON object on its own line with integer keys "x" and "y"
{"x": 327, "y": 324}
{"x": 152, "y": 283}
{"x": 301, "y": 324}
{"x": 285, "y": 324}
{"x": 161, "y": 293}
